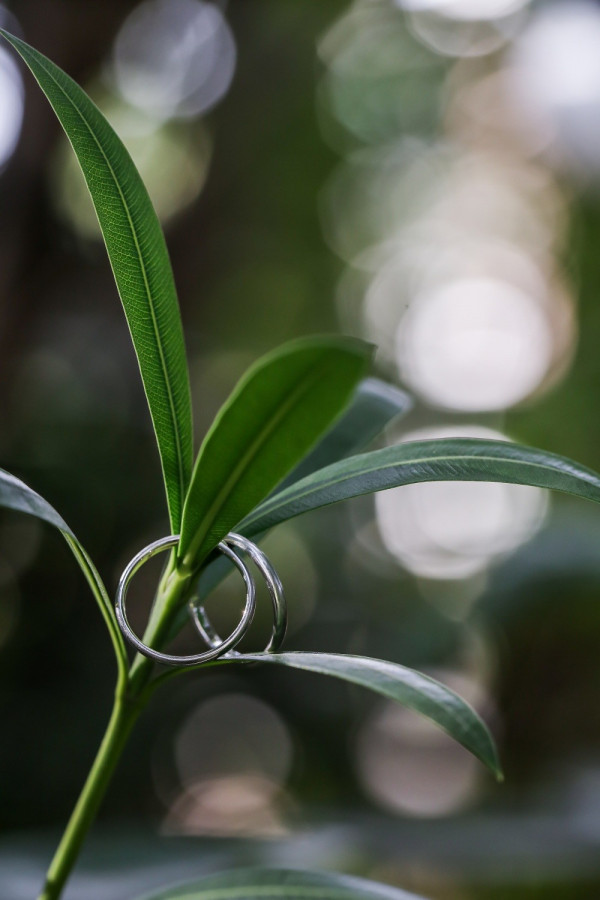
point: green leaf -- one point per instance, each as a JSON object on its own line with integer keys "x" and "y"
{"x": 282, "y": 884}
{"x": 374, "y": 405}
{"x": 140, "y": 263}
{"x": 406, "y": 686}
{"x": 17, "y": 496}
{"x": 413, "y": 462}
{"x": 276, "y": 413}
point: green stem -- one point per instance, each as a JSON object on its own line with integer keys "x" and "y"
{"x": 134, "y": 690}
{"x": 124, "y": 715}
{"x": 170, "y": 597}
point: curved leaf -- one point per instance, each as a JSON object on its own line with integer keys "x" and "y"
{"x": 16, "y": 495}
{"x": 374, "y": 405}
{"x": 278, "y": 410}
{"x": 406, "y": 686}
{"x": 282, "y": 884}
{"x": 140, "y": 263}
{"x": 464, "y": 459}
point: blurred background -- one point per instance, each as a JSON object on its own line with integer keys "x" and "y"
{"x": 421, "y": 173}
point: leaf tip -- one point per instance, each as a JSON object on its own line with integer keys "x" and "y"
{"x": 491, "y": 760}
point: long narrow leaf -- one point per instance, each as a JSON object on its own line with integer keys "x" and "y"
{"x": 406, "y": 686}
{"x": 451, "y": 459}
{"x": 276, "y": 413}
{"x": 373, "y": 406}
{"x": 282, "y": 884}
{"x": 17, "y": 496}
{"x": 140, "y": 263}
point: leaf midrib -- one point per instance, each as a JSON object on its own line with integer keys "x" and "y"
{"x": 246, "y": 459}
{"x": 144, "y": 276}
{"x": 270, "y": 506}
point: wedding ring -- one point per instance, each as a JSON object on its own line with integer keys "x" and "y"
{"x": 217, "y": 646}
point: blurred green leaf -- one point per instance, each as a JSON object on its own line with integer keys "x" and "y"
{"x": 413, "y": 462}
{"x": 406, "y": 686}
{"x": 282, "y": 884}
{"x": 140, "y": 263}
{"x": 17, "y": 496}
{"x": 276, "y": 413}
{"x": 373, "y": 406}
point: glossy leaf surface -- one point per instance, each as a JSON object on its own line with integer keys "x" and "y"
{"x": 373, "y": 406}
{"x": 274, "y": 416}
{"x": 410, "y": 463}
{"x": 17, "y": 496}
{"x": 282, "y": 884}
{"x": 406, "y": 686}
{"x": 140, "y": 263}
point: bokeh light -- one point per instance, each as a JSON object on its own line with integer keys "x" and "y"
{"x": 407, "y": 766}
{"x": 378, "y": 80}
{"x": 464, "y": 28}
{"x": 233, "y": 755}
{"x": 483, "y": 112}
{"x": 231, "y": 805}
{"x": 450, "y": 530}
{"x": 463, "y": 238}
{"x": 556, "y": 77}
{"x": 466, "y": 10}
{"x": 11, "y": 105}
{"x": 174, "y": 57}
{"x": 475, "y": 344}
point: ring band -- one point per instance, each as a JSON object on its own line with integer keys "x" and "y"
{"x": 217, "y": 647}
{"x": 274, "y": 585}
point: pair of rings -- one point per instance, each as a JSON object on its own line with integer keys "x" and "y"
{"x": 217, "y": 646}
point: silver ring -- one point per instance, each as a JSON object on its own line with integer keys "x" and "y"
{"x": 216, "y": 649}
{"x": 274, "y": 585}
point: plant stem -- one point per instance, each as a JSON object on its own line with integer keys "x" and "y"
{"x": 134, "y": 689}
{"x": 170, "y": 598}
{"x": 124, "y": 714}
